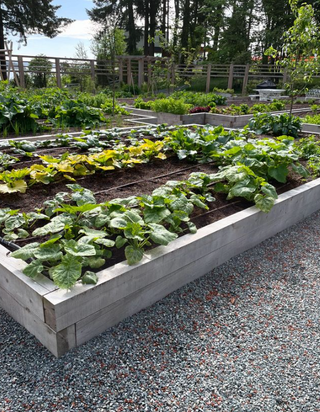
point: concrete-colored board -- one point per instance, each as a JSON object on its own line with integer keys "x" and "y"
{"x": 213, "y": 119}
{"x": 310, "y": 128}
{"x": 27, "y": 292}
{"x": 57, "y": 343}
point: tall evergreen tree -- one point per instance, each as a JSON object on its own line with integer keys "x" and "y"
{"x": 125, "y": 12}
{"x": 25, "y": 17}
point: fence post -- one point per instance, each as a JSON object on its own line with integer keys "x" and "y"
{"x": 208, "y": 78}
{"x": 58, "y": 74}
{"x": 245, "y": 80}
{"x": 140, "y": 71}
{"x": 129, "y": 73}
{"x": 230, "y": 80}
{"x": 93, "y": 71}
{"x": 21, "y": 72}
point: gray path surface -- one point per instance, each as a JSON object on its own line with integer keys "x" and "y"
{"x": 245, "y": 337}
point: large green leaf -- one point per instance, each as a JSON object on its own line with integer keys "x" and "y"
{"x": 33, "y": 269}
{"x": 133, "y": 231}
{"x": 95, "y": 262}
{"x": 56, "y": 225}
{"x": 26, "y": 252}
{"x": 196, "y": 201}
{"x": 182, "y": 203}
{"x": 264, "y": 203}
{"x": 81, "y": 195}
{"x": 89, "y": 278}
{"x": 119, "y": 222}
{"x": 244, "y": 188}
{"x": 48, "y": 252}
{"x": 160, "y": 235}
{"x": 22, "y": 234}
{"x": 192, "y": 227}
{"x": 155, "y": 214}
{"x": 79, "y": 249}
{"x": 105, "y": 242}
{"x": 133, "y": 254}
{"x": 279, "y": 172}
{"x": 93, "y": 233}
{"x": 120, "y": 242}
{"x": 269, "y": 190}
{"x": 13, "y": 222}
{"x": 67, "y": 272}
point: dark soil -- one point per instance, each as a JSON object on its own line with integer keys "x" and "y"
{"x": 142, "y": 179}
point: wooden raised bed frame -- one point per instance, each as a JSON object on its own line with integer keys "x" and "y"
{"x": 62, "y": 320}
{"x": 214, "y": 119}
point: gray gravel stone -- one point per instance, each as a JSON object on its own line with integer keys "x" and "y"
{"x": 244, "y": 338}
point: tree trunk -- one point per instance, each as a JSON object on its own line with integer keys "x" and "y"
{"x": 132, "y": 38}
{"x": 164, "y": 19}
{"x": 185, "y": 28}
{"x": 153, "y": 25}
{"x": 3, "y": 64}
{"x": 146, "y": 28}
{"x": 176, "y": 22}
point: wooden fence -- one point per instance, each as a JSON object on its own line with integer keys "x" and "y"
{"x": 137, "y": 70}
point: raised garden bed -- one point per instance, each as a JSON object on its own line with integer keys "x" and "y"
{"x": 62, "y": 320}
{"x": 214, "y": 119}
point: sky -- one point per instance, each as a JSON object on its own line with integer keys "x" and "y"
{"x": 64, "y": 45}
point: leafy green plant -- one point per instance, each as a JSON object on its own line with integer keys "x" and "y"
{"x": 301, "y": 45}
{"x": 16, "y": 114}
{"x": 199, "y": 99}
{"x": 139, "y": 103}
{"x": 81, "y": 234}
{"x": 75, "y": 114}
{"x": 170, "y": 105}
{"x": 282, "y": 124}
{"x": 313, "y": 119}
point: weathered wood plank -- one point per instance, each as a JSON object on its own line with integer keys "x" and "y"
{"x": 57, "y": 343}
{"x": 26, "y": 291}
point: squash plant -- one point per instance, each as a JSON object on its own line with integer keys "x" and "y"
{"x": 81, "y": 232}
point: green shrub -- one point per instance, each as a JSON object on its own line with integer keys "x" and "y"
{"x": 171, "y": 105}
{"x": 75, "y": 114}
{"x": 314, "y": 119}
{"x": 139, "y": 103}
{"x": 199, "y": 99}
{"x": 278, "y": 125}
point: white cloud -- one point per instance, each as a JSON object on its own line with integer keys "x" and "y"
{"x": 80, "y": 29}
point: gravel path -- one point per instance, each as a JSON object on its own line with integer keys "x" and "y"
{"x": 244, "y": 338}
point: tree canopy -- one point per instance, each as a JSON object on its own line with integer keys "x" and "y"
{"x": 227, "y": 30}
{"x": 25, "y": 17}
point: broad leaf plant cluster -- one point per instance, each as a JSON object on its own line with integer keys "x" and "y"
{"x": 77, "y": 235}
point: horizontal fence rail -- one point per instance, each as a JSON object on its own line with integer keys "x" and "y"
{"x": 139, "y": 70}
